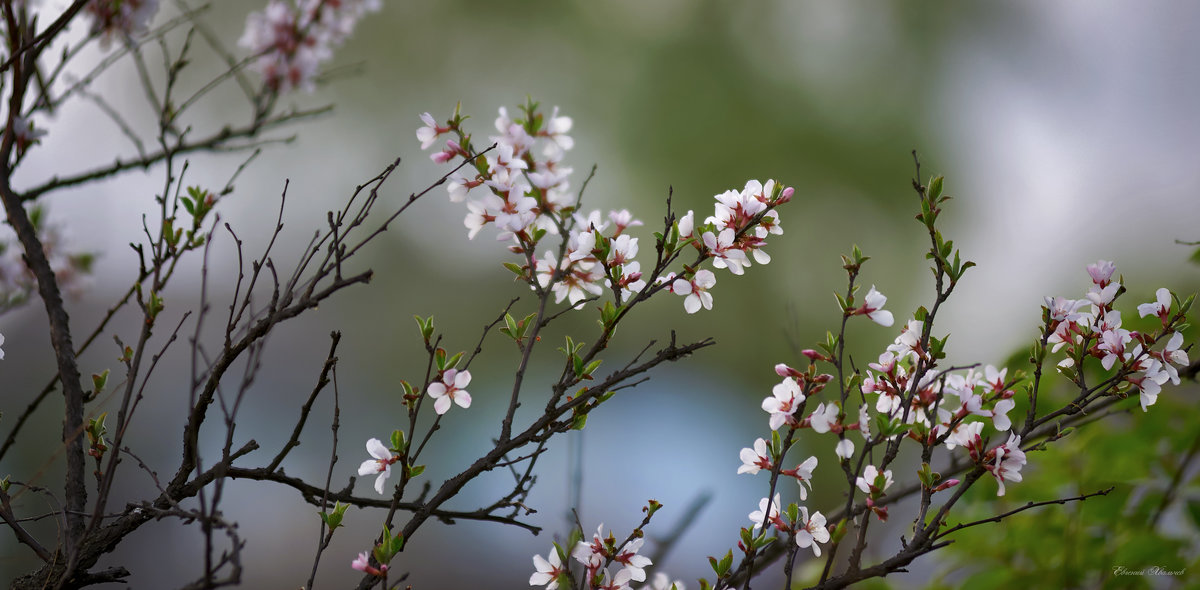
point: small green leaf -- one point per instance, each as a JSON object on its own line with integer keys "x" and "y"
{"x": 516, "y": 269}
{"x": 935, "y": 188}
{"x": 415, "y": 470}
{"x": 99, "y": 380}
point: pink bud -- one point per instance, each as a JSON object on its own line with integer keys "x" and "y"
{"x": 785, "y": 371}
{"x": 949, "y": 483}
{"x": 785, "y": 196}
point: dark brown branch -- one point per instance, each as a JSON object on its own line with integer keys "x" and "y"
{"x": 1023, "y": 508}
{"x": 322, "y": 381}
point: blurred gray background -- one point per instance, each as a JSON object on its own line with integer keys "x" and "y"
{"x": 1068, "y": 133}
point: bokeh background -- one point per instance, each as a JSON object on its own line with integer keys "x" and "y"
{"x": 1068, "y": 132}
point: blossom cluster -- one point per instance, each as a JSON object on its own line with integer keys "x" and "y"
{"x": 596, "y": 556}
{"x": 938, "y": 409}
{"x": 120, "y": 18}
{"x": 292, "y": 40}
{"x": 522, "y": 188}
{"x": 1090, "y": 327}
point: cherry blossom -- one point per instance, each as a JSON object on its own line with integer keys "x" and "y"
{"x": 965, "y": 435}
{"x": 1112, "y": 344}
{"x": 771, "y": 515}
{"x": 1101, "y": 272}
{"x": 576, "y": 282}
{"x": 812, "y": 531}
{"x": 1063, "y": 309}
{"x": 548, "y": 570}
{"x": 726, "y": 255}
{"x": 662, "y": 581}
{"x": 803, "y": 474}
{"x": 428, "y": 133}
{"x": 687, "y": 224}
{"x": 844, "y": 449}
{"x": 620, "y": 581}
{"x": 592, "y": 555}
{"x": 291, "y": 42}
{"x": 1161, "y": 306}
{"x": 908, "y": 343}
{"x": 785, "y": 400}
{"x": 824, "y": 417}
{"x": 696, "y": 290}
{"x": 381, "y": 464}
{"x": 623, "y": 219}
{"x": 1171, "y": 355}
{"x": 120, "y": 18}
{"x": 754, "y": 459}
{"x": 1149, "y": 382}
{"x": 556, "y": 129}
{"x": 452, "y": 388}
{"x": 1009, "y": 459}
{"x": 363, "y": 564}
{"x": 868, "y": 483}
{"x": 873, "y": 308}
{"x": 635, "y": 564}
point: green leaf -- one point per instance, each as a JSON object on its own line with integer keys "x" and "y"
{"x": 515, "y": 268}
{"x": 591, "y": 368}
{"x": 398, "y": 441}
{"x": 935, "y": 188}
{"x": 415, "y": 470}
{"x": 99, "y": 380}
{"x": 333, "y": 519}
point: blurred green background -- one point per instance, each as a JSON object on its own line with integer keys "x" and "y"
{"x": 1068, "y": 133}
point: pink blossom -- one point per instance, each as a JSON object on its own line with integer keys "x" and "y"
{"x": 428, "y": 133}
{"x": 1009, "y": 459}
{"x": 452, "y": 388}
{"x": 1063, "y": 309}
{"x": 754, "y": 459}
{"x": 1160, "y": 307}
{"x": 724, "y": 251}
{"x": 687, "y": 224}
{"x": 120, "y": 18}
{"x": 696, "y": 290}
{"x": 965, "y": 435}
{"x": 363, "y": 564}
{"x": 873, "y": 308}
{"x": 547, "y": 570}
{"x": 868, "y": 481}
{"x": 804, "y": 474}
{"x": 824, "y": 417}
{"x": 768, "y": 512}
{"x": 908, "y": 343}
{"x": 844, "y": 449}
{"x": 381, "y": 464}
{"x": 635, "y": 564}
{"x": 1101, "y": 271}
{"x": 812, "y": 531}
{"x": 785, "y": 400}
